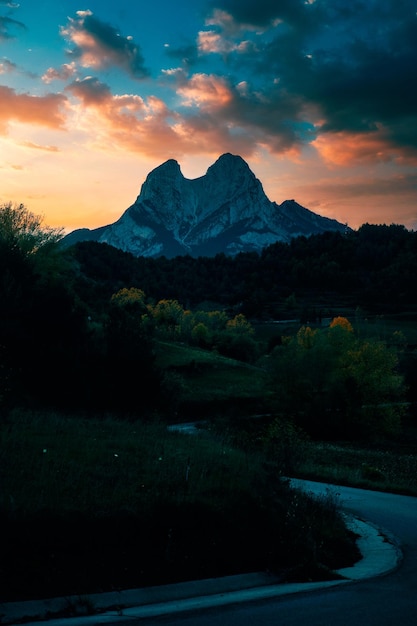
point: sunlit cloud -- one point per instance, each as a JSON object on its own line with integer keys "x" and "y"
{"x": 212, "y": 42}
{"x": 347, "y": 148}
{"x": 99, "y": 45}
{"x": 65, "y": 72}
{"x": 207, "y": 91}
{"x": 226, "y": 38}
{"x": 150, "y": 127}
{"x": 126, "y": 120}
{"x": 35, "y": 146}
{"x": 43, "y": 110}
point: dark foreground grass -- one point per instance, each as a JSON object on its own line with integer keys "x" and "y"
{"x": 90, "y": 505}
{"x": 393, "y": 470}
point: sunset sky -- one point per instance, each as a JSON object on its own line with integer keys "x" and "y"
{"x": 318, "y": 96}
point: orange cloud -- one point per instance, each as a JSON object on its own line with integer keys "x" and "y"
{"x": 214, "y": 119}
{"x": 346, "y": 148}
{"x": 42, "y": 110}
{"x": 148, "y": 126}
{"x": 66, "y": 71}
{"x": 207, "y": 91}
{"x": 36, "y": 146}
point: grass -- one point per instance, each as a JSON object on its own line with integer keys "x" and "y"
{"x": 209, "y": 377}
{"x": 91, "y": 504}
{"x": 394, "y": 471}
{"x": 52, "y": 462}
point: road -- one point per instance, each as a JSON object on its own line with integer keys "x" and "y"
{"x": 389, "y": 600}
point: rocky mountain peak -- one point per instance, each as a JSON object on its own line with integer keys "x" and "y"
{"x": 226, "y": 210}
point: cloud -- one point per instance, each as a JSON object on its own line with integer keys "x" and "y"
{"x": 211, "y": 41}
{"x": 65, "y": 72}
{"x": 36, "y": 146}
{"x": 259, "y": 15}
{"x": 99, "y": 45}
{"x": 148, "y": 125}
{"x": 126, "y": 120}
{"x": 187, "y": 55}
{"x": 91, "y": 91}
{"x": 243, "y": 117}
{"x": 7, "y": 66}
{"x": 346, "y": 70}
{"x": 332, "y": 75}
{"x": 39, "y": 110}
{"x": 7, "y": 25}
{"x": 377, "y": 146}
{"x": 213, "y": 116}
{"x": 209, "y": 92}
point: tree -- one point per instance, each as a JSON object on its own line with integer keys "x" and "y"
{"x": 133, "y": 298}
{"x": 22, "y": 229}
{"x": 376, "y": 390}
{"x": 129, "y": 379}
{"x": 200, "y": 335}
{"x": 239, "y": 324}
{"x": 343, "y": 322}
{"x": 42, "y": 325}
{"x": 168, "y": 315}
{"x": 336, "y": 385}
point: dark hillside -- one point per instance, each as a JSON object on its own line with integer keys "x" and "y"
{"x": 373, "y": 268}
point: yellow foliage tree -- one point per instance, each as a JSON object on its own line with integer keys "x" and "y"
{"x": 127, "y": 296}
{"x": 305, "y": 337}
{"x": 343, "y": 322}
{"x": 240, "y": 324}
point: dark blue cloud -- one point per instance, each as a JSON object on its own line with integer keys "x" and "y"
{"x": 99, "y": 44}
{"x": 8, "y": 26}
{"x": 352, "y": 63}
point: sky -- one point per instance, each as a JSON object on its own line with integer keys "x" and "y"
{"x": 318, "y": 96}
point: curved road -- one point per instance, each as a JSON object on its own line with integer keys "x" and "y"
{"x": 389, "y": 600}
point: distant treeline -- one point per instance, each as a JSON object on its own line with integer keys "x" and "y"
{"x": 374, "y": 268}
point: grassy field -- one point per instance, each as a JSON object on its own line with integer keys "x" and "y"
{"x": 392, "y": 470}
{"x": 212, "y": 384}
{"x": 90, "y": 505}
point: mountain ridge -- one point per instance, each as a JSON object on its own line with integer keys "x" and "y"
{"x": 225, "y": 210}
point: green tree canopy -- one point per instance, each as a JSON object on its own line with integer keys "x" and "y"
{"x": 336, "y": 384}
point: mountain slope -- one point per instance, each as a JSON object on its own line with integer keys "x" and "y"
{"x": 226, "y": 210}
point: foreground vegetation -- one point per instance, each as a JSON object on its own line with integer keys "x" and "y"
{"x": 387, "y": 468}
{"x": 89, "y": 505}
{"x": 97, "y": 493}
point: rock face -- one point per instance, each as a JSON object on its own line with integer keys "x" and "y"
{"x": 226, "y": 210}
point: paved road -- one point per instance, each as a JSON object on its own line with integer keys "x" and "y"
{"x": 390, "y": 600}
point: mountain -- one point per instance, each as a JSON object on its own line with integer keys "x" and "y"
{"x": 226, "y": 210}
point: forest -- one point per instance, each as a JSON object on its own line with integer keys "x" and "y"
{"x": 373, "y": 268}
